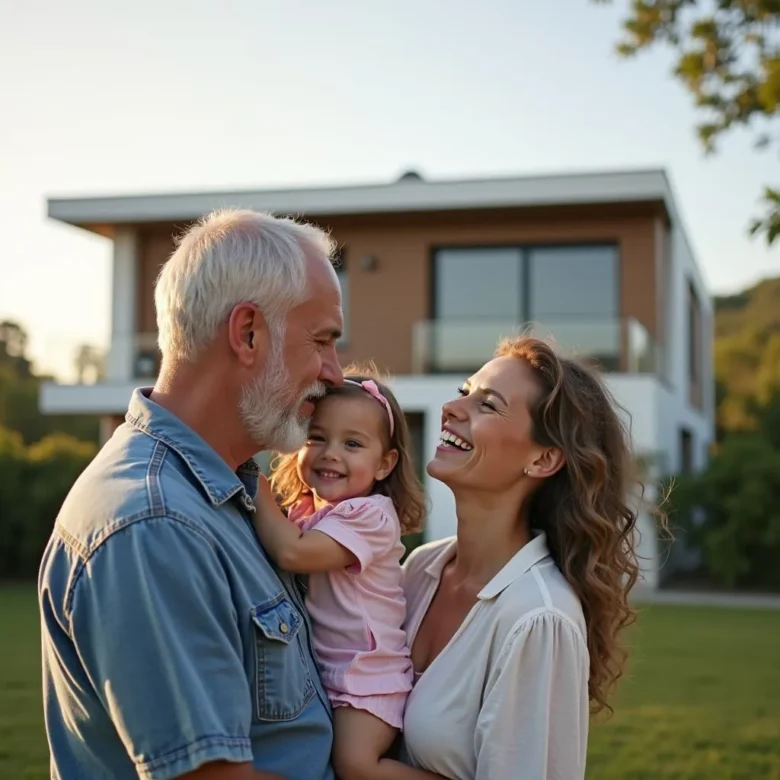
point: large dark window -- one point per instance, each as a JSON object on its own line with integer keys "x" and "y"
{"x": 474, "y": 284}
{"x": 482, "y": 294}
{"x": 573, "y": 281}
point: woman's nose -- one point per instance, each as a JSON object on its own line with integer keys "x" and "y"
{"x": 455, "y": 409}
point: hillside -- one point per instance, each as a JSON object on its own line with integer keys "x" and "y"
{"x": 747, "y": 354}
{"x": 757, "y": 309}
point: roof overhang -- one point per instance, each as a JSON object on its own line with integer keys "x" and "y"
{"x": 100, "y": 213}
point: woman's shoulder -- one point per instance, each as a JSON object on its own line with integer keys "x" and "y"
{"x": 542, "y": 597}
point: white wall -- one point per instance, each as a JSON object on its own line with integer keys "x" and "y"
{"x": 684, "y": 269}
{"x": 123, "y": 306}
{"x": 426, "y": 394}
{"x": 637, "y": 394}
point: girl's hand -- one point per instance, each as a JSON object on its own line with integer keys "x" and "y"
{"x": 299, "y": 552}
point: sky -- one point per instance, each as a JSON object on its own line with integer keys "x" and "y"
{"x": 104, "y": 98}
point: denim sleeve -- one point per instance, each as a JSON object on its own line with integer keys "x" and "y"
{"x": 155, "y": 626}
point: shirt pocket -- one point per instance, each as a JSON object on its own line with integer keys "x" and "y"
{"x": 283, "y": 683}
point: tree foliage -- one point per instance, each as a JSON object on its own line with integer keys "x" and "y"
{"x": 34, "y": 481}
{"x": 747, "y": 355}
{"x": 728, "y": 58}
{"x": 20, "y": 390}
{"x": 731, "y": 511}
{"x": 738, "y": 496}
{"x": 40, "y": 455}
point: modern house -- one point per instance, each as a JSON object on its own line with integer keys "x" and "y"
{"x": 434, "y": 272}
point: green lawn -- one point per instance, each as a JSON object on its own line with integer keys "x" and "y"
{"x": 701, "y": 702}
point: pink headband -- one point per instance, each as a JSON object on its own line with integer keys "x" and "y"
{"x": 371, "y": 388}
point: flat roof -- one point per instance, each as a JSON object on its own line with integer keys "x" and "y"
{"x": 410, "y": 193}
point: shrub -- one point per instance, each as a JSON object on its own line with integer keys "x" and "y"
{"x": 732, "y": 511}
{"x": 34, "y": 481}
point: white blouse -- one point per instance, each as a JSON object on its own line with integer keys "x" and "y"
{"x": 508, "y": 695}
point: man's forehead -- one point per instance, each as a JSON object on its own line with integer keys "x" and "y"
{"x": 320, "y": 271}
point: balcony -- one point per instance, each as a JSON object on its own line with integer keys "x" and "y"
{"x": 89, "y": 380}
{"x": 144, "y": 355}
{"x": 617, "y": 345}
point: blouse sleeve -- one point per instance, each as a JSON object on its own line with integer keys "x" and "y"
{"x": 533, "y": 723}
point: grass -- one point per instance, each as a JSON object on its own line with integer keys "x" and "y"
{"x": 23, "y": 751}
{"x": 701, "y": 700}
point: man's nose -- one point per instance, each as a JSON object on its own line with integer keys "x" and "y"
{"x": 331, "y": 373}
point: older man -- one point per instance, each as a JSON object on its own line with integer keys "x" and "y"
{"x": 171, "y": 647}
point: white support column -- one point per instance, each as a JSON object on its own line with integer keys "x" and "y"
{"x": 442, "y": 521}
{"x": 123, "y": 306}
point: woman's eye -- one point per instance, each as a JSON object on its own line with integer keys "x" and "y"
{"x": 462, "y": 391}
{"x": 488, "y": 405}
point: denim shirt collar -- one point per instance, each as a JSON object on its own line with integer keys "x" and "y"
{"x": 216, "y": 478}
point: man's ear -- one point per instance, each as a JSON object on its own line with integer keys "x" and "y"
{"x": 248, "y": 334}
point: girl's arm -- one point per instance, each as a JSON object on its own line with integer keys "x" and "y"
{"x": 296, "y": 551}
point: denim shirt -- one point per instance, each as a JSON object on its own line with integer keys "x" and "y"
{"x": 169, "y": 640}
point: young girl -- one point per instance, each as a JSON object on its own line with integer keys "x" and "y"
{"x": 351, "y": 493}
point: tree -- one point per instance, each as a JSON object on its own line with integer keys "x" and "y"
{"x": 34, "y": 481}
{"x": 20, "y": 390}
{"x": 739, "y": 494}
{"x": 13, "y": 349}
{"x": 90, "y": 364}
{"x": 729, "y": 60}
{"x": 14, "y": 338}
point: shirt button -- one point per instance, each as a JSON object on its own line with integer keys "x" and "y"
{"x": 283, "y": 627}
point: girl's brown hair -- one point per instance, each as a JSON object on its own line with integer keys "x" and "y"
{"x": 401, "y": 485}
{"x": 588, "y": 509}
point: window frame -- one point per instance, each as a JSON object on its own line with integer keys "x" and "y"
{"x": 525, "y": 253}
{"x": 525, "y": 250}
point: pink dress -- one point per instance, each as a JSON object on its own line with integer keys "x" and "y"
{"x": 357, "y": 613}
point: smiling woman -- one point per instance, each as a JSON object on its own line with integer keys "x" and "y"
{"x": 533, "y": 592}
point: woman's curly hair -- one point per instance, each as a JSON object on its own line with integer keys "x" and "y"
{"x": 401, "y": 486}
{"x": 588, "y": 509}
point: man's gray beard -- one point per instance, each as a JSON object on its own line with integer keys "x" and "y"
{"x": 270, "y": 409}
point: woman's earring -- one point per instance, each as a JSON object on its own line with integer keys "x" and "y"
{"x": 526, "y": 471}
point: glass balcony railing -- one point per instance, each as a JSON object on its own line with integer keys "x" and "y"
{"x": 620, "y": 345}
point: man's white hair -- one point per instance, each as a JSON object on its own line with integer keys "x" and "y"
{"x": 229, "y": 257}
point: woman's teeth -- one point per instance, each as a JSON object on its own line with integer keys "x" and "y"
{"x": 451, "y": 438}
